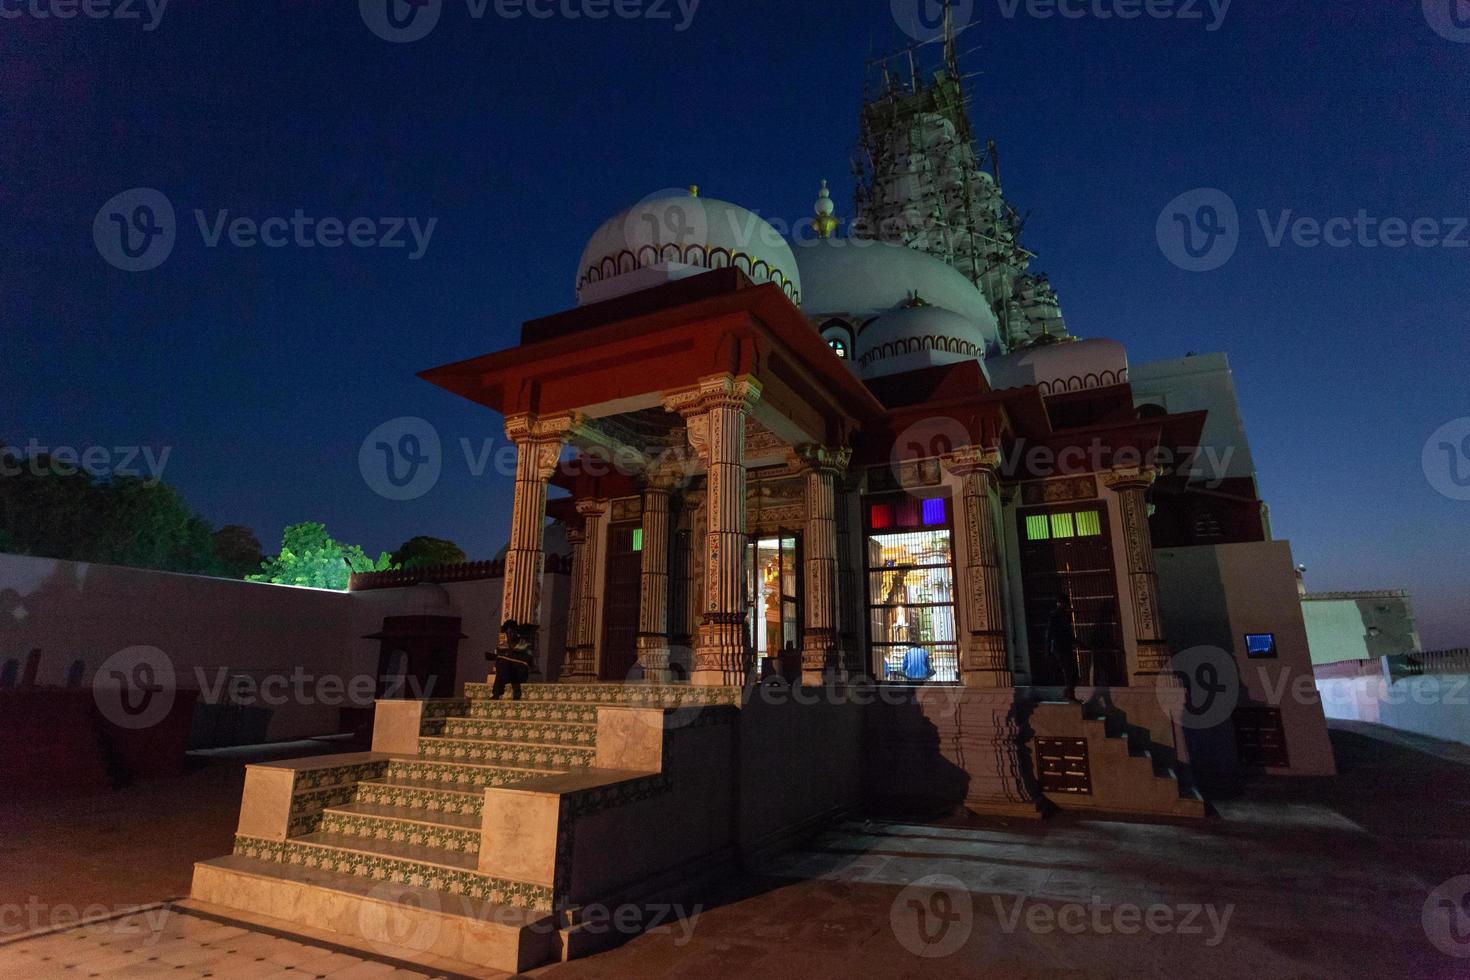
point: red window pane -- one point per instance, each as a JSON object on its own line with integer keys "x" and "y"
{"x": 881, "y": 516}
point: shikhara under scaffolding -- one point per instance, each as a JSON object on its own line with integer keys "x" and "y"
{"x": 921, "y": 183}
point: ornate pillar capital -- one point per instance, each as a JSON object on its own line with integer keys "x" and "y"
{"x": 967, "y": 460}
{"x": 1126, "y": 478}
{"x": 589, "y": 507}
{"x": 827, "y": 459}
{"x": 559, "y": 427}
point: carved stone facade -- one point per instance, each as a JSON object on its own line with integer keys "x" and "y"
{"x": 983, "y": 658}
{"x": 1151, "y": 662}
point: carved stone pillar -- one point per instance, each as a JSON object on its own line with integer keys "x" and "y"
{"x": 577, "y": 539}
{"x": 538, "y": 444}
{"x": 653, "y": 608}
{"x": 594, "y": 527}
{"x": 821, "y": 659}
{"x": 715, "y": 412}
{"x": 850, "y": 586}
{"x": 983, "y": 659}
{"x": 1151, "y": 659}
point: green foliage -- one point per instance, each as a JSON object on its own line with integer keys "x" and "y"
{"x": 423, "y": 551}
{"x": 61, "y": 512}
{"x": 309, "y": 556}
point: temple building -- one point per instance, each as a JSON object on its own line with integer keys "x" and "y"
{"x": 845, "y": 519}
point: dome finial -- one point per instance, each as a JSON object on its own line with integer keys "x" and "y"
{"x": 822, "y": 220}
{"x": 693, "y": 190}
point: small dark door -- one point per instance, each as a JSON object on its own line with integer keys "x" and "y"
{"x": 623, "y": 593}
{"x": 1068, "y": 549}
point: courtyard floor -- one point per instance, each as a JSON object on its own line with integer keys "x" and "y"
{"x": 1312, "y": 878}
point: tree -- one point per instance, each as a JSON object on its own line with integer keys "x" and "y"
{"x": 309, "y": 556}
{"x": 238, "y": 551}
{"x": 53, "y": 509}
{"x": 423, "y": 551}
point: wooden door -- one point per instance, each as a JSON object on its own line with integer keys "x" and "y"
{"x": 621, "y": 599}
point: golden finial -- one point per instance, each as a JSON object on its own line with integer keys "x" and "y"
{"x": 693, "y": 190}
{"x": 822, "y": 220}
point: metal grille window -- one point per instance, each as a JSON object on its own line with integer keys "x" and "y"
{"x": 910, "y": 587}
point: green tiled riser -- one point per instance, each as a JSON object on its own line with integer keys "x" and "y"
{"x": 507, "y": 753}
{"x": 306, "y": 808}
{"x": 311, "y": 779}
{"x": 533, "y": 711}
{"x": 629, "y": 695}
{"x": 503, "y": 730}
{"x": 401, "y": 831}
{"x": 454, "y": 776}
{"x": 417, "y": 798}
{"x": 379, "y": 867}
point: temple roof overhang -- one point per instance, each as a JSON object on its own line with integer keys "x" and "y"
{"x": 620, "y": 358}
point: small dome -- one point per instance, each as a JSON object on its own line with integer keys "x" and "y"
{"x": 673, "y": 235}
{"x": 916, "y": 337}
{"x": 1062, "y": 367}
{"x": 864, "y": 278}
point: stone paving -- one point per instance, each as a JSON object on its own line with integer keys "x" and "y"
{"x": 1308, "y": 878}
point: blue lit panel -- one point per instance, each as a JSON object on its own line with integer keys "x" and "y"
{"x": 934, "y": 511}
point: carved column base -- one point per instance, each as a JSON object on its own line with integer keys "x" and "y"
{"x": 653, "y": 657}
{"x": 983, "y": 661}
{"x": 583, "y": 666}
{"x": 1001, "y": 781}
{"x": 821, "y": 658}
{"x": 719, "y": 651}
{"x": 1153, "y": 665}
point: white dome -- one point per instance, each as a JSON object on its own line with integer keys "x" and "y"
{"x": 670, "y": 236}
{"x": 1062, "y": 367}
{"x": 863, "y": 278}
{"x": 914, "y": 338}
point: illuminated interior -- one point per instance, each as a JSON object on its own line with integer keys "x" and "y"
{"x": 911, "y": 619}
{"x": 772, "y": 593}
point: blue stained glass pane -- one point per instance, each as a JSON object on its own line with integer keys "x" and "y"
{"x": 934, "y": 511}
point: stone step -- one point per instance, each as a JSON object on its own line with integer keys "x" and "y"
{"x": 521, "y": 754}
{"x": 461, "y": 775}
{"x": 400, "y": 920}
{"x": 625, "y": 695}
{"x": 507, "y": 730}
{"x": 420, "y": 795}
{"x": 539, "y": 711}
{"x": 427, "y": 828}
{"x": 435, "y": 868}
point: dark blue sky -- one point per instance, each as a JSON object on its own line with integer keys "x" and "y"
{"x": 262, "y": 370}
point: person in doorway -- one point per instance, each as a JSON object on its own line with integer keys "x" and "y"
{"x": 1061, "y": 645}
{"x": 512, "y": 660}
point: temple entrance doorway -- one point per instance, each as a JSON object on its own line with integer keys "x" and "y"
{"x": 624, "y": 591}
{"x": 772, "y": 594}
{"x": 1068, "y": 550}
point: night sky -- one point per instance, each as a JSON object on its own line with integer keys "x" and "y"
{"x": 262, "y": 370}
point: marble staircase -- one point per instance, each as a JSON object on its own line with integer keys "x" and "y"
{"x": 453, "y": 837}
